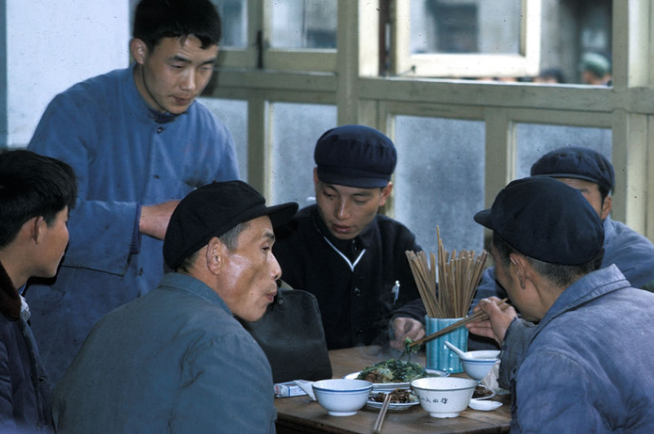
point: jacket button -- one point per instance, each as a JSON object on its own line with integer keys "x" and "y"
{"x": 159, "y": 130}
{"x": 357, "y": 292}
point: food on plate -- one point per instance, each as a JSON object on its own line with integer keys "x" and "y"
{"x": 393, "y": 371}
{"x": 398, "y": 396}
{"x": 481, "y": 392}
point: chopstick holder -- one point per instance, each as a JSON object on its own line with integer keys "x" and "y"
{"x": 503, "y": 305}
{"x": 376, "y": 429}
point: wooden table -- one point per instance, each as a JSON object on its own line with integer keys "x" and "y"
{"x": 301, "y": 415}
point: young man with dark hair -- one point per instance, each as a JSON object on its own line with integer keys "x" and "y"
{"x": 138, "y": 141}
{"x": 345, "y": 253}
{"x": 36, "y": 195}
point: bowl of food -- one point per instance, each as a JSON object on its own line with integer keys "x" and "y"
{"x": 394, "y": 373}
{"x": 342, "y": 397}
{"x": 444, "y": 397}
{"x": 479, "y": 363}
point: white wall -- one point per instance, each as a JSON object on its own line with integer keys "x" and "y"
{"x": 52, "y": 44}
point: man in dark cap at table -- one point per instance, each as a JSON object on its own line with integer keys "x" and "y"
{"x": 345, "y": 253}
{"x": 587, "y": 365}
{"x": 176, "y": 360}
{"x": 592, "y": 174}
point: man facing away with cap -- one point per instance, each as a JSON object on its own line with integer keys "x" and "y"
{"x": 345, "y": 253}
{"x": 592, "y": 174}
{"x": 176, "y": 360}
{"x": 587, "y": 367}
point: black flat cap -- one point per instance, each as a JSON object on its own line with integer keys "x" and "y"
{"x": 213, "y": 210}
{"x": 355, "y": 156}
{"x": 547, "y": 220}
{"x": 578, "y": 163}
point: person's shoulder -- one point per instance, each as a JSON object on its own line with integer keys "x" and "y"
{"x": 391, "y": 226}
{"x": 199, "y": 113}
{"x": 95, "y": 91}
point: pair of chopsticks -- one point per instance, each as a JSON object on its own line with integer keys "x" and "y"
{"x": 376, "y": 428}
{"x": 481, "y": 315}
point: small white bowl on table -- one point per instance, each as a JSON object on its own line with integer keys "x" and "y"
{"x": 342, "y": 397}
{"x": 444, "y": 396}
{"x": 477, "y": 364}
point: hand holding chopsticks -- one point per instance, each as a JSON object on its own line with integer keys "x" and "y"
{"x": 480, "y": 315}
{"x": 376, "y": 429}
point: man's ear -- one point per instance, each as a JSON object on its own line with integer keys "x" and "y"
{"x": 35, "y": 228}
{"x": 607, "y": 204}
{"x": 315, "y": 177}
{"x": 519, "y": 263}
{"x": 139, "y": 50}
{"x": 215, "y": 255}
{"x": 386, "y": 193}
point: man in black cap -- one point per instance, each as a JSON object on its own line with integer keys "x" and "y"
{"x": 587, "y": 364}
{"x": 176, "y": 360}
{"x": 345, "y": 253}
{"x": 592, "y": 174}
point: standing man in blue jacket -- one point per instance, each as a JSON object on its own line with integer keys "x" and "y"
{"x": 139, "y": 142}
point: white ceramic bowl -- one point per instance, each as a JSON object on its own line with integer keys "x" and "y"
{"x": 444, "y": 397}
{"x": 479, "y": 363}
{"x": 341, "y": 397}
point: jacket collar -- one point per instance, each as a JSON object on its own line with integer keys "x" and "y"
{"x": 9, "y": 297}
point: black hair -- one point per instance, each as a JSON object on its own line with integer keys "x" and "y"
{"x": 561, "y": 275}
{"x": 32, "y": 185}
{"x": 158, "y": 19}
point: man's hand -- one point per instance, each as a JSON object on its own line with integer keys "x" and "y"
{"x": 404, "y": 327}
{"x": 498, "y": 323}
{"x": 154, "y": 218}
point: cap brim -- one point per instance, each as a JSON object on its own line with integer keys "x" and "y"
{"x": 484, "y": 218}
{"x": 356, "y": 182}
{"x": 282, "y": 213}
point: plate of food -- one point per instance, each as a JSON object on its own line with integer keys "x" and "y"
{"x": 401, "y": 399}
{"x": 393, "y": 374}
{"x": 482, "y": 392}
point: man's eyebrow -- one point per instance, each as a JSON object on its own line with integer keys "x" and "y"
{"x": 270, "y": 235}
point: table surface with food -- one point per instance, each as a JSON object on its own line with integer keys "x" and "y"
{"x": 300, "y": 414}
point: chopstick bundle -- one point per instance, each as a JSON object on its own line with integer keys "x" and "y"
{"x": 481, "y": 315}
{"x": 457, "y": 275}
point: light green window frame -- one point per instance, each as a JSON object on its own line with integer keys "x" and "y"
{"x": 525, "y": 63}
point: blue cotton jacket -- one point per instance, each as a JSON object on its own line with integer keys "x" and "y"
{"x": 124, "y": 157}
{"x": 588, "y": 364}
{"x": 173, "y": 361}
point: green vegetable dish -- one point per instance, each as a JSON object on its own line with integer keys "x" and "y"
{"x": 393, "y": 371}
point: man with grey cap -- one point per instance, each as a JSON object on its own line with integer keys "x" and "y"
{"x": 345, "y": 253}
{"x": 587, "y": 365}
{"x": 592, "y": 174}
{"x": 176, "y": 360}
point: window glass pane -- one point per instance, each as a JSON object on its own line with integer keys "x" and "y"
{"x": 234, "y": 114}
{"x": 465, "y": 26}
{"x": 534, "y": 140}
{"x": 439, "y": 180}
{"x": 296, "y": 128}
{"x": 309, "y": 24}
{"x": 571, "y": 30}
{"x": 234, "y": 15}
